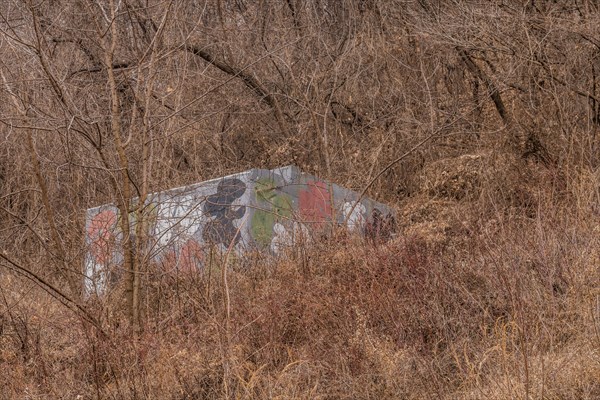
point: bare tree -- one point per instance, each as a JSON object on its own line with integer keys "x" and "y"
{"x": 119, "y": 99}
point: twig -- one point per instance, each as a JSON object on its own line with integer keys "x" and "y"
{"x": 52, "y": 291}
{"x": 387, "y": 167}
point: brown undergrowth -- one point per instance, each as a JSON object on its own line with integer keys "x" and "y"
{"x": 479, "y": 121}
{"x": 494, "y": 306}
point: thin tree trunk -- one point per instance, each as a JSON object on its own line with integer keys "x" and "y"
{"x": 129, "y": 264}
{"x": 65, "y": 271}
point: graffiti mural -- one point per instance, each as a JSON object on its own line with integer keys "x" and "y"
{"x": 380, "y": 227}
{"x": 288, "y": 235}
{"x": 315, "y": 203}
{"x": 175, "y": 219}
{"x": 103, "y": 238}
{"x": 191, "y": 256}
{"x": 354, "y": 215}
{"x": 218, "y": 207}
{"x": 273, "y": 207}
{"x": 268, "y": 210}
{"x": 101, "y": 235}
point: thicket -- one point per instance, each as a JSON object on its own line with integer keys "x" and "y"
{"x": 478, "y": 121}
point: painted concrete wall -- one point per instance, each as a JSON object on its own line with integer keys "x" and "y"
{"x": 260, "y": 209}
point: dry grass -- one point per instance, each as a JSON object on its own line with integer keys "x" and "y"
{"x": 509, "y": 310}
{"x": 491, "y": 289}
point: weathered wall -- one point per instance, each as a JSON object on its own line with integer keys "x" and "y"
{"x": 264, "y": 209}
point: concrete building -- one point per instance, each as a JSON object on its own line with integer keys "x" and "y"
{"x": 265, "y": 210}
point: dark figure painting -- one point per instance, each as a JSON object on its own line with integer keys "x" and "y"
{"x": 380, "y": 228}
{"x": 222, "y": 213}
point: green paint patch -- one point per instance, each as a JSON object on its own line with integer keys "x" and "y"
{"x": 273, "y": 207}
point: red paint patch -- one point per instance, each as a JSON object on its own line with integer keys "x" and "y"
{"x": 314, "y": 203}
{"x": 191, "y": 256}
{"x": 187, "y": 258}
{"x": 101, "y": 233}
{"x": 168, "y": 260}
